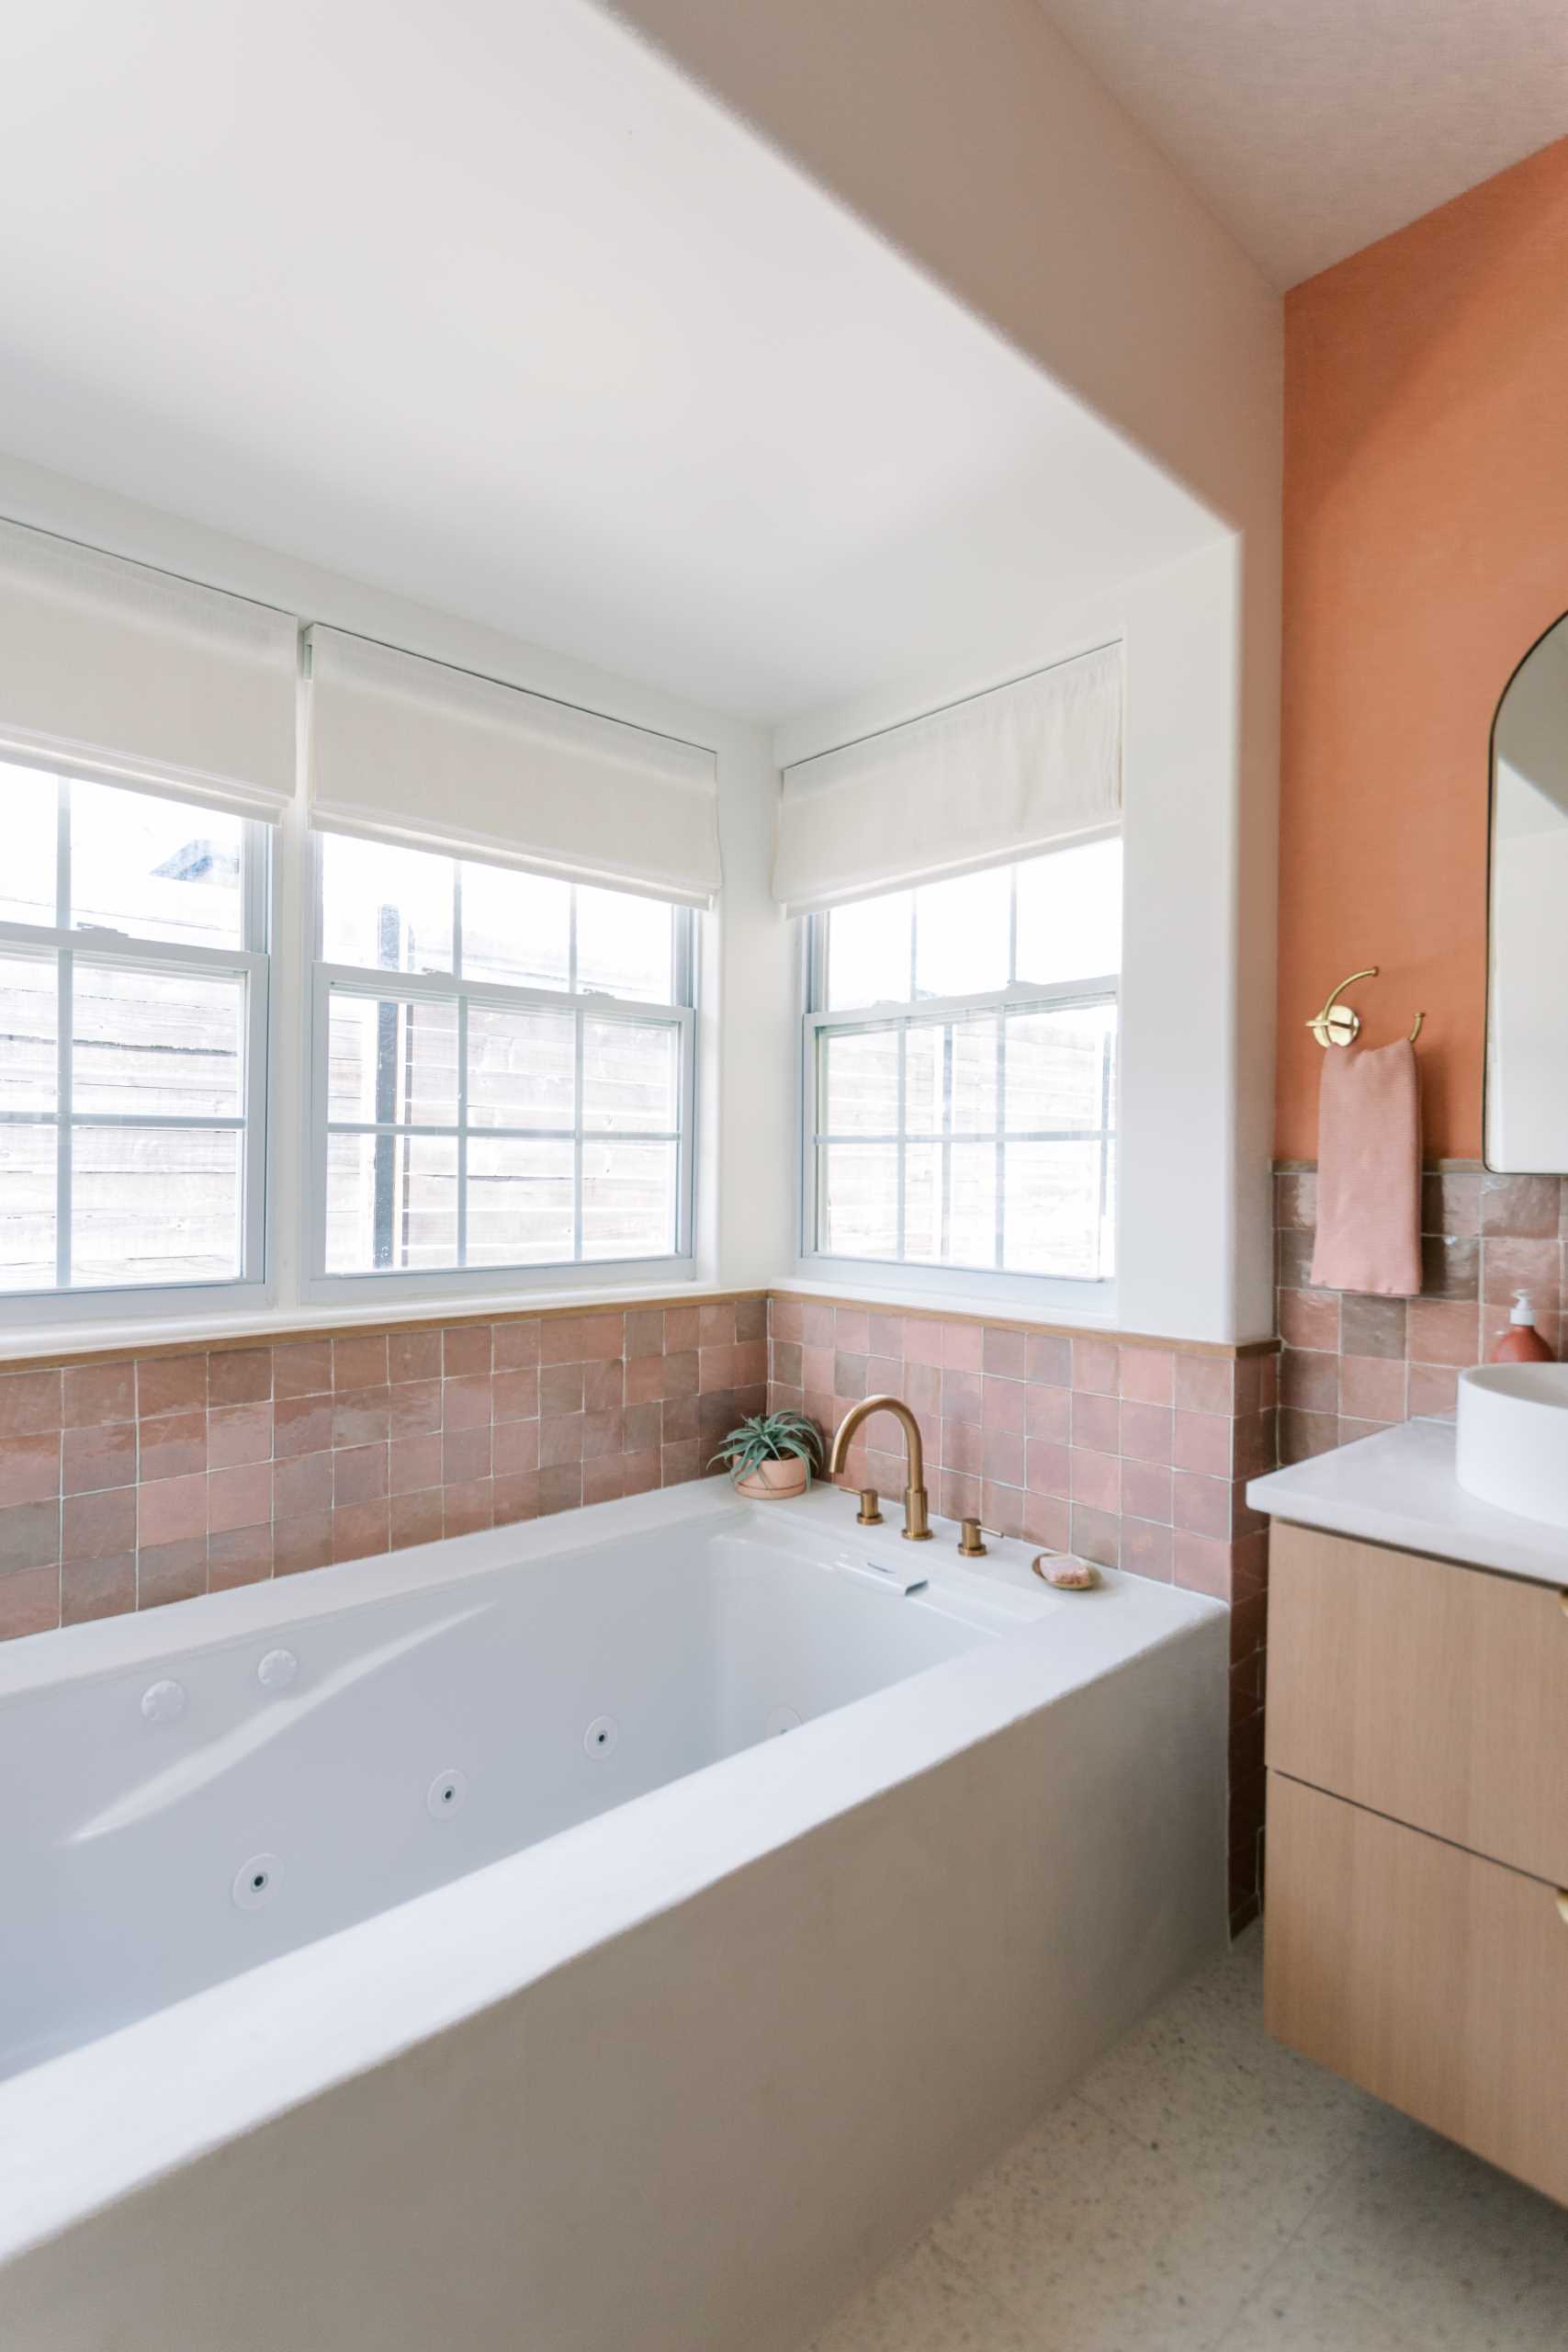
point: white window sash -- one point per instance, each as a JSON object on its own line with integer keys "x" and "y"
{"x": 106, "y": 946}
{"x": 441, "y": 988}
{"x": 952, "y": 1276}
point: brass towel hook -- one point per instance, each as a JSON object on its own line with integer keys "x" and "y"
{"x": 1340, "y": 1025}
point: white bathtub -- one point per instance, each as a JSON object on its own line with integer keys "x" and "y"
{"x": 447, "y": 1949}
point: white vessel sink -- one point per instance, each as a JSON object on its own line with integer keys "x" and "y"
{"x": 1513, "y": 1438}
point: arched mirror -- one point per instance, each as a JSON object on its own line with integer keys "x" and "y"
{"x": 1526, "y": 989}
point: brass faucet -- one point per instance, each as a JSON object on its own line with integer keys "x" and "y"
{"x": 917, "y": 1523}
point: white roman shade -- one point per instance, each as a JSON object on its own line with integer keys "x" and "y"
{"x": 406, "y": 750}
{"x": 130, "y": 675}
{"x": 1000, "y": 776}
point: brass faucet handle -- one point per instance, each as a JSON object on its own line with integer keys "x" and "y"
{"x": 870, "y": 1511}
{"x": 969, "y": 1543}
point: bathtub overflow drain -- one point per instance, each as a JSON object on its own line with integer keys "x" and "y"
{"x": 257, "y": 1881}
{"x": 162, "y": 1701}
{"x": 444, "y": 1794}
{"x": 600, "y": 1736}
{"x": 277, "y": 1670}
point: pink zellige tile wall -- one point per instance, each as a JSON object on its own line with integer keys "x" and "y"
{"x": 156, "y": 1478}
{"x": 1136, "y": 1455}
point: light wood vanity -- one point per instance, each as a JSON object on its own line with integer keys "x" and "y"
{"x": 1416, "y": 1924}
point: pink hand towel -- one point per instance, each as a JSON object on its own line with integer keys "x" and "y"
{"x": 1369, "y": 1171}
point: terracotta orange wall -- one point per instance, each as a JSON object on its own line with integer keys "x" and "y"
{"x": 1426, "y": 548}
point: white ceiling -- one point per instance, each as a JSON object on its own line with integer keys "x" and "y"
{"x": 479, "y": 301}
{"x": 1314, "y": 127}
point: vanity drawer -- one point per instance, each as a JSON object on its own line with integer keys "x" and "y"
{"x": 1435, "y": 1980}
{"x": 1435, "y": 1693}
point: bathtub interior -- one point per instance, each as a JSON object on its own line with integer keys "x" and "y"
{"x": 175, "y": 1822}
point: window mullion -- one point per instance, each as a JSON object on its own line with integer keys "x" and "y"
{"x": 901, "y": 1153}
{"x": 576, "y": 1113}
{"x": 1000, "y": 1177}
{"x": 462, "y": 1127}
{"x": 64, "y": 1169}
{"x": 944, "y": 1235}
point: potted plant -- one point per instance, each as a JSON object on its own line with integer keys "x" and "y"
{"x": 771, "y": 1454}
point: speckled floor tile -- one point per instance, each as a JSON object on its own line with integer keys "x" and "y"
{"x": 926, "y": 2303}
{"x": 1204, "y": 2191}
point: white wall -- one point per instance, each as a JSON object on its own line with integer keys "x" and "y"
{"x": 1195, "y": 1097}
{"x": 746, "y": 1180}
{"x": 973, "y": 137}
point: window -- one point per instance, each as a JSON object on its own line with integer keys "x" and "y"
{"x": 503, "y": 1068}
{"x": 961, "y": 1071}
{"x": 132, "y": 1039}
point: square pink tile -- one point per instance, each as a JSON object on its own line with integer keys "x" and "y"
{"x": 99, "y": 1527}
{"x": 29, "y": 1468}
{"x": 515, "y": 1396}
{"x": 1148, "y": 1433}
{"x": 1002, "y": 1403}
{"x": 30, "y": 1402}
{"x": 239, "y": 1497}
{"x": 170, "y": 1385}
{"x": 301, "y": 1543}
{"x": 1005, "y": 1350}
{"x": 1202, "y": 1505}
{"x": 466, "y": 1455}
{"x": 1002, "y": 1457}
{"x": 1096, "y": 1479}
{"x": 1205, "y": 1384}
{"x": 963, "y": 1347}
{"x": 94, "y": 1458}
{"x": 466, "y": 1403}
{"x": 362, "y": 1416}
{"x": 515, "y": 1346}
{"x": 922, "y": 1339}
{"x": 415, "y": 1519}
{"x": 359, "y": 1476}
{"x": 1372, "y": 1388}
{"x": 468, "y": 1509}
{"x": 1048, "y": 1413}
{"x": 1048, "y": 1468}
{"x": 1146, "y": 1491}
{"x": 1096, "y": 1365}
{"x": 1097, "y": 1423}
{"x": 1049, "y": 1361}
{"x": 94, "y": 1393}
{"x": 1148, "y": 1375}
{"x": 361, "y": 1531}
{"x": 302, "y": 1368}
{"x": 360, "y": 1362}
{"x": 1203, "y": 1442}
{"x": 302, "y": 1425}
{"x": 172, "y": 1446}
{"x": 515, "y": 1447}
{"x": 1147, "y": 1549}
{"x": 172, "y": 1510}
{"x": 1443, "y": 1330}
{"x": 414, "y": 1354}
{"x": 239, "y": 1375}
{"x": 466, "y": 1351}
{"x": 237, "y": 1433}
{"x": 413, "y": 1463}
{"x": 302, "y": 1485}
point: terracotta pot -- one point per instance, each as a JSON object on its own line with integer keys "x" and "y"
{"x": 772, "y": 1481}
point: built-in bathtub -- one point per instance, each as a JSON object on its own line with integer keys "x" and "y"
{"x": 448, "y": 1949}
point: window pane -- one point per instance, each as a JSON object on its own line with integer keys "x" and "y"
{"x": 1060, "y": 1069}
{"x": 630, "y": 1078}
{"x": 1054, "y": 1224}
{"x": 924, "y": 1225}
{"x": 154, "y": 1204}
{"x": 628, "y": 1200}
{"x": 522, "y": 1068}
{"x": 389, "y": 1059}
{"x": 520, "y": 1202}
{"x": 925, "y": 1078}
{"x": 625, "y": 946}
{"x": 1069, "y": 913}
{"x": 972, "y": 1209}
{"x": 27, "y": 1180}
{"x": 868, "y": 951}
{"x": 859, "y": 1185}
{"x": 962, "y": 933}
{"x": 516, "y": 928}
{"x": 860, "y": 1092}
{"x": 391, "y": 1202}
{"x": 154, "y": 868}
{"x": 975, "y": 1076}
{"x": 28, "y": 1015}
{"x": 388, "y": 909}
{"x": 165, "y": 1044}
{"x": 29, "y": 812}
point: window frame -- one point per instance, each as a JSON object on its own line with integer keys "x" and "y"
{"x": 950, "y": 1279}
{"x": 459, "y": 1281}
{"x": 252, "y": 962}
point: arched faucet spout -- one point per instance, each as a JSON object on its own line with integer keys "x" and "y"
{"x": 916, "y": 1509}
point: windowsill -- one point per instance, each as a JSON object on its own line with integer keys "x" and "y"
{"x": 976, "y": 1307}
{"x": 57, "y": 1343}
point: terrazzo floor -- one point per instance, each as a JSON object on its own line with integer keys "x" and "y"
{"x": 1203, "y": 2191}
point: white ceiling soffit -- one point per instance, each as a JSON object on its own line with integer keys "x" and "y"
{"x": 1314, "y": 127}
{"x": 484, "y": 303}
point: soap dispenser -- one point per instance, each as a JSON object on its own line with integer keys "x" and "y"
{"x": 1521, "y": 1343}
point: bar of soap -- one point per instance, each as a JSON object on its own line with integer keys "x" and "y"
{"x": 1067, "y": 1573}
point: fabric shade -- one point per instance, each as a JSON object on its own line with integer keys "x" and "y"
{"x": 135, "y": 677}
{"x": 1002, "y": 775}
{"x": 410, "y": 750}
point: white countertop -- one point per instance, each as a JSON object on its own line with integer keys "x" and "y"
{"x": 1399, "y": 1487}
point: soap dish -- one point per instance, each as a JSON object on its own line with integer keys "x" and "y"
{"x": 1066, "y": 1571}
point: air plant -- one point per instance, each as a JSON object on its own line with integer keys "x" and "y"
{"x": 769, "y": 1437}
